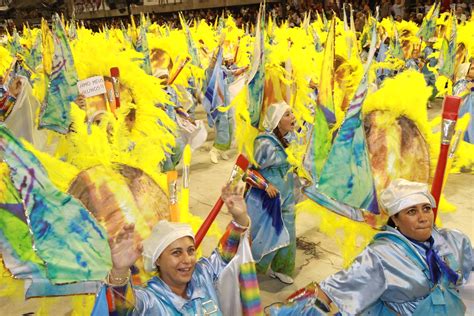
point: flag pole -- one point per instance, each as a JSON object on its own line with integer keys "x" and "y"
{"x": 241, "y": 165}
{"x": 450, "y": 116}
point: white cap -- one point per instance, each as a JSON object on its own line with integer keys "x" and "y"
{"x": 161, "y": 72}
{"x": 402, "y": 193}
{"x": 229, "y": 57}
{"x": 162, "y": 235}
{"x": 274, "y": 114}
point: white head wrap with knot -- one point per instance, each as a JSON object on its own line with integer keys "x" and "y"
{"x": 162, "y": 235}
{"x": 402, "y": 193}
{"x": 274, "y": 114}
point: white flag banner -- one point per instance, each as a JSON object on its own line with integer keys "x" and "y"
{"x": 91, "y": 86}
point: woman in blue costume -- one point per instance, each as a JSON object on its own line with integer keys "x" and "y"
{"x": 273, "y": 211}
{"x": 184, "y": 286}
{"x": 224, "y": 122}
{"x": 464, "y": 88}
{"x": 172, "y": 159}
{"x": 414, "y": 61}
{"x": 411, "y": 268}
{"x": 429, "y": 61}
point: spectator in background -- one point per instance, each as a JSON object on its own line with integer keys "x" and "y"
{"x": 459, "y": 13}
{"x": 419, "y": 18}
{"x": 428, "y": 6}
{"x": 462, "y": 4}
{"x": 360, "y": 21}
{"x": 385, "y": 9}
{"x": 398, "y": 9}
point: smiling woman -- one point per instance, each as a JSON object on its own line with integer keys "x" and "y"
{"x": 176, "y": 264}
{"x": 184, "y": 285}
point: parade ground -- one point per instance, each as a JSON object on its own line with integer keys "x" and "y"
{"x": 317, "y": 255}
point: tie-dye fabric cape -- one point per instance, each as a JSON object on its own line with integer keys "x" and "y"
{"x": 65, "y": 235}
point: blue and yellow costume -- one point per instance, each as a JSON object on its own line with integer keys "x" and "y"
{"x": 158, "y": 299}
{"x": 430, "y": 62}
{"x": 461, "y": 89}
{"x": 391, "y": 275}
{"x": 273, "y": 230}
{"x": 173, "y": 158}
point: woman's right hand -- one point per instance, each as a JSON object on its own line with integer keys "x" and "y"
{"x": 271, "y": 191}
{"x": 123, "y": 249}
{"x": 15, "y": 87}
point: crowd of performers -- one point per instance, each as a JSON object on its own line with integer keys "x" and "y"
{"x": 328, "y": 120}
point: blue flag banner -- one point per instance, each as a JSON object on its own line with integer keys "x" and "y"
{"x": 62, "y": 87}
{"x": 428, "y": 26}
{"x": 256, "y": 78}
{"x": 346, "y": 184}
{"x": 142, "y": 47}
{"x": 34, "y": 58}
{"x": 214, "y": 94}
{"x": 192, "y": 49}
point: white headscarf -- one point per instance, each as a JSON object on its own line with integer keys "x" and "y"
{"x": 228, "y": 57}
{"x": 161, "y": 72}
{"x": 162, "y": 235}
{"x": 402, "y": 193}
{"x": 274, "y": 114}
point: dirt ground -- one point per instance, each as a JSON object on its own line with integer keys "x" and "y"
{"x": 206, "y": 181}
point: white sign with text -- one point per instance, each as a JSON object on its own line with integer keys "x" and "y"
{"x": 91, "y": 86}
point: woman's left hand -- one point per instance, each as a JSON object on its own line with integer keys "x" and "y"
{"x": 234, "y": 200}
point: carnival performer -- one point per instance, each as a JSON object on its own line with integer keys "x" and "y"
{"x": 171, "y": 109}
{"x": 183, "y": 285}
{"x": 429, "y": 62}
{"x": 414, "y": 61}
{"x": 9, "y": 92}
{"x": 224, "y": 122}
{"x": 411, "y": 268}
{"x": 465, "y": 89}
{"x": 272, "y": 211}
{"x": 382, "y": 73}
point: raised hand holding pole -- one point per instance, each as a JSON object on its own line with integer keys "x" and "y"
{"x": 241, "y": 165}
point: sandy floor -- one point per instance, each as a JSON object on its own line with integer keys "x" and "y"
{"x": 206, "y": 180}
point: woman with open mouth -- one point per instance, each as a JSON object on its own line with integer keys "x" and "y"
{"x": 272, "y": 210}
{"x": 183, "y": 285}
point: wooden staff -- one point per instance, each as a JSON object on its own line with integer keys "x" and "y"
{"x": 176, "y": 74}
{"x": 237, "y": 50}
